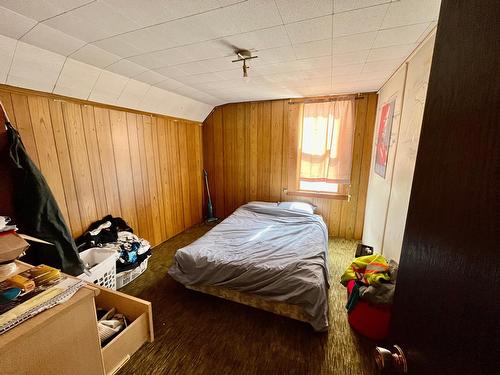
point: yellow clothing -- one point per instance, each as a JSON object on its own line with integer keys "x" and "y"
{"x": 369, "y": 269}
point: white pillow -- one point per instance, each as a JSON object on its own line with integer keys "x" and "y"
{"x": 298, "y": 206}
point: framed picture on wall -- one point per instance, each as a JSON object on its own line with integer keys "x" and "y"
{"x": 384, "y": 138}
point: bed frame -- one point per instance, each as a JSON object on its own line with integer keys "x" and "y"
{"x": 276, "y": 307}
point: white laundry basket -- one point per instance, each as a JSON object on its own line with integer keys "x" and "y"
{"x": 102, "y": 262}
{"x": 125, "y": 277}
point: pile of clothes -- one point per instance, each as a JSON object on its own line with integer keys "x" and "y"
{"x": 370, "y": 281}
{"x": 114, "y": 232}
{"x": 375, "y": 280}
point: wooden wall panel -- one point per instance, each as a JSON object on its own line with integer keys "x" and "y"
{"x": 250, "y": 154}
{"x": 101, "y": 160}
{"x": 43, "y": 138}
{"x": 65, "y": 165}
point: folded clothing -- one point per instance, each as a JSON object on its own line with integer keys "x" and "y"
{"x": 110, "y": 324}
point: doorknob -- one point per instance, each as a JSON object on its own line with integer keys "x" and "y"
{"x": 393, "y": 359}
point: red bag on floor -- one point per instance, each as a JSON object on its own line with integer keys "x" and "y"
{"x": 368, "y": 319}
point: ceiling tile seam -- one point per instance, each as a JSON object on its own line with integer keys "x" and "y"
{"x": 365, "y": 7}
{"x": 59, "y": 75}
{"x": 286, "y": 31}
{"x": 78, "y": 49}
{"x": 67, "y": 11}
{"x": 31, "y": 28}
{"x": 374, "y": 39}
{"x": 381, "y": 29}
{"x": 165, "y": 22}
{"x": 95, "y": 84}
{"x": 11, "y": 61}
{"x": 123, "y": 89}
{"x": 144, "y": 96}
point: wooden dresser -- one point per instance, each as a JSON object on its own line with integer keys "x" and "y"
{"x": 64, "y": 339}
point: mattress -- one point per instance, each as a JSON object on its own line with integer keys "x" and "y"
{"x": 267, "y": 251}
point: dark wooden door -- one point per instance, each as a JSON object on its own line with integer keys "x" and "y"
{"x": 447, "y": 303}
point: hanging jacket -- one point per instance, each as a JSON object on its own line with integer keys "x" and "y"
{"x": 37, "y": 213}
{"x": 369, "y": 270}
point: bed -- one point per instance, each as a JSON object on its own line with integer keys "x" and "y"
{"x": 266, "y": 255}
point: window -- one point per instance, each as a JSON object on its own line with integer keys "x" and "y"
{"x": 325, "y": 146}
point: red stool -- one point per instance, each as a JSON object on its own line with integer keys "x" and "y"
{"x": 369, "y": 319}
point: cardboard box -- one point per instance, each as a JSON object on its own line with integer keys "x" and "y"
{"x": 11, "y": 246}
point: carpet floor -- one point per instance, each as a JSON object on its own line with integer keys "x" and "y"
{"x": 200, "y": 334}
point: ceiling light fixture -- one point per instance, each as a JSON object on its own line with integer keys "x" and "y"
{"x": 244, "y": 55}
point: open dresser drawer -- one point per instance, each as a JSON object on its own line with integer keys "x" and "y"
{"x": 139, "y": 330}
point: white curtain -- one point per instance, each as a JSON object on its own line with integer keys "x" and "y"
{"x": 327, "y": 141}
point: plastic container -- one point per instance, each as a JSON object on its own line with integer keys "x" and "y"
{"x": 125, "y": 277}
{"x": 102, "y": 263}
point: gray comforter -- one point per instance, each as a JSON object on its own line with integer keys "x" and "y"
{"x": 265, "y": 250}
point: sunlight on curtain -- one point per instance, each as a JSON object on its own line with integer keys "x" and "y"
{"x": 327, "y": 142}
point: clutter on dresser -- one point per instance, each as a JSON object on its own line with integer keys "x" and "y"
{"x": 112, "y": 253}
{"x": 32, "y": 291}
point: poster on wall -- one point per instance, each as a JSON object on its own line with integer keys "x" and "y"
{"x": 384, "y": 138}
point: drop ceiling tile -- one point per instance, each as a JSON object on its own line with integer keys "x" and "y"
{"x": 347, "y": 5}
{"x": 133, "y": 94}
{"x": 53, "y": 40}
{"x": 14, "y": 25}
{"x": 126, "y": 68}
{"x": 35, "y": 68}
{"x": 196, "y": 94}
{"x": 189, "y": 68}
{"x": 392, "y": 52}
{"x": 309, "y": 30}
{"x": 317, "y": 48}
{"x": 76, "y": 79}
{"x": 7, "y": 46}
{"x": 159, "y": 11}
{"x": 180, "y": 55}
{"x": 292, "y": 10}
{"x": 220, "y": 64}
{"x": 108, "y": 87}
{"x": 122, "y": 45}
{"x": 150, "y": 77}
{"x": 92, "y": 22}
{"x": 356, "y": 42}
{"x": 195, "y": 79}
{"x": 347, "y": 69}
{"x": 400, "y": 35}
{"x": 315, "y": 63}
{"x": 354, "y": 57}
{"x": 353, "y": 78}
{"x": 275, "y": 55}
{"x": 256, "y": 40}
{"x": 168, "y": 84}
{"x": 42, "y": 9}
{"x": 407, "y": 12}
{"x": 171, "y": 34}
{"x": 359, "y": 21}
{"x": 388, "y": 65}
{"x": 247, "y": 16}
{"x": 171, "y": 72}
{"x": 96, "y": 56}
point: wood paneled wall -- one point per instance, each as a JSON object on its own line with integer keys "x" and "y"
{"x": 248, "y": 151}
{"x": 102, "y": 160}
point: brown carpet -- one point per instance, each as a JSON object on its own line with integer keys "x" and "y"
{"x": 201, "y": 334}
